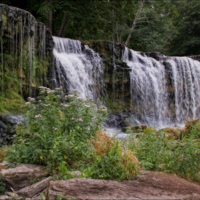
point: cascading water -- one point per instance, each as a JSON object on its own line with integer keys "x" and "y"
{"x": 77, "y": 68}
{"x": 163, "y": 93}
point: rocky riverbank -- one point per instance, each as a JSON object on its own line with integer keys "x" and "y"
{"x": 33, "y": 182}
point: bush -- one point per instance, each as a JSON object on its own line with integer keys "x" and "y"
{"x": 149, "y": 130}
{"x": 58, "y": 127}
{"x": 157, "y": 153}
{"x": 109, "y": 160}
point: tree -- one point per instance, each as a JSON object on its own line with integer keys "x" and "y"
{"x": 187, "y": 39}
{"x": 135, "y": 21}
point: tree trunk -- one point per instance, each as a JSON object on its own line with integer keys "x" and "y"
{"x": 135, "y": 21}
{"x": 62, "y": 27}
{"x": 49, "y": 17}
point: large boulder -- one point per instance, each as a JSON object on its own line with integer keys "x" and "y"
{"x": 23, "y": 175}
{"x": 149, "y": 185}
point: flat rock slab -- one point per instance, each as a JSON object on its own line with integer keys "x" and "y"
{"x": 23, "y": 175}
{"x": 149, "y": 185}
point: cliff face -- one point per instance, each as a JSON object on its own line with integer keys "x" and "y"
{"x": 26, "y": 56}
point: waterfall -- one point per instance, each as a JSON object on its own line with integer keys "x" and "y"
{"x": 165, "y": 92}
{"x": 77, "y": 67}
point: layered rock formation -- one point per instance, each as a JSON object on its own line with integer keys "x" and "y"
{"x": 26, "y": 53}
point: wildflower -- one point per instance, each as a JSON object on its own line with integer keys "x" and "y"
{"x": 80, "y": 120}
{"x": 71, "y": 95}
{"x": 21, "y": 140}
{"x": 66, "y": 105}
{"x": 31, "y": 99}
{"x": 87, "y": 106}
{"x": 28, "y": 102}
{"x": 41, "y": 157}
{"x": 37, "y": 116}
{"x": 72, "y": 118}
{"x": 39, "y": 100}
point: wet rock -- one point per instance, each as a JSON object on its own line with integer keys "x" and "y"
{"x": 139, "y": 128}
{"x": 23, "y": 175}
{"x": 130, "y": 122}
{"x": 34, "y": 189}
{"x": 2, "y": 125}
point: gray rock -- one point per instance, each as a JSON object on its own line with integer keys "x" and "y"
{"x": 2, "y": 125}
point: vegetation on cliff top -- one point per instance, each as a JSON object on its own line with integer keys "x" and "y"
{"x": 145, "y": 25}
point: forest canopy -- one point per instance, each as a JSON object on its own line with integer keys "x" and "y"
{"x": 166, "y": 26}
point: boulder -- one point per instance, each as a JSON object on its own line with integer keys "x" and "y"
{"x": 23, "y": 175}
{"x": 2, "y": 125}
{"x": 138, "y": 128}
{"x": 149, "y": 185}
{"x": 134, "y": 129}
{"x": 34, "y": 189}
{"x": 130, "y": 122}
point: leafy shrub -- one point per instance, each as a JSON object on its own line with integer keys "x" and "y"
{"x": 2, "y": 186}
{"x": 149, "y": 130}
{"x": 3, "y": 152}
{"x": 58, "y": 127}
{"x": 109, "y": 160}
{"x": 157, "y": 153}
{"x": 194, "y": 130}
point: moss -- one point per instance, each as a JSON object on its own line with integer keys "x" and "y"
{"x": 115, "y": 106}
{"x": 4, "y": 17}
{"x": 11, "y": 102}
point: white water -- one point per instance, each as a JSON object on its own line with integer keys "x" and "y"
{"x": 78, "y": 68}
{"x": 151, "y": 81}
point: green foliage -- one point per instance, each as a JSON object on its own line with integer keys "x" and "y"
{"x": 157, "y": 153}
{"x": 2, "y": 186}
{"x": 195, "y": 131}
{"x": 109, "y": 160}
{"x": 55, "y": 133}
{"x": 186, "y": 41}
{"x": 149, "y": 130}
